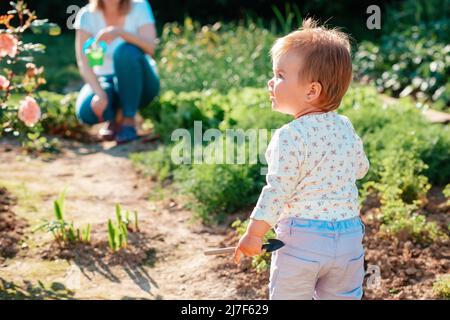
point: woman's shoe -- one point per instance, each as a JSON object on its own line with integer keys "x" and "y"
{"x": 108, "y": 132}
{"x": 126, "y": 134}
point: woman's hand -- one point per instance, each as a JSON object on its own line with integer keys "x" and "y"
{"x": 250, "y": 245}
{"x": 110, "y": 33}
{"x": 99, "y": 103}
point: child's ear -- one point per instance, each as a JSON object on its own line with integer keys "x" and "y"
{"x": 314, "y": 90}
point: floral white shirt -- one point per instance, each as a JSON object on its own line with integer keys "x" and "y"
{"x": 313, "y": 164}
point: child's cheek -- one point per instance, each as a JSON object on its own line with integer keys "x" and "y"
{"x": 279, "y": 92}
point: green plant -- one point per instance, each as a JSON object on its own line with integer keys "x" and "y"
{"x": 402, "y": 190}
{"x": 286, "y": 20}
{"x": 173, "y": 111}
{"x": 388, "y": 125}
{"x": 409, "y": 61}
{"x": 446, "y": 192}
{"x": 249, "y": 108}
{"x": 441, "y": 287}
{"x": 219, "y": 56}
{"x": 63, "y": 231}
{"x": 118, "y": 230}
{"x": 403, "y": 221}
{"x": 261, "y": 262}
{"x": 408, "y": 13}
{"x": 217, "y": 189}
{"x": 228, "y": 178}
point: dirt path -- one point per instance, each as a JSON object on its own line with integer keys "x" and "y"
{"x": 97, "y": 177}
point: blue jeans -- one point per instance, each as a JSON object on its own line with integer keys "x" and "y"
{"x": 321, "y": 260}
{"x": 134, "y": 85}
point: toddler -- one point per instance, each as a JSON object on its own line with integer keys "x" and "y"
{"x": 313, "y": 162}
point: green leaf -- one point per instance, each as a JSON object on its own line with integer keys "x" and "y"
{"x": 120, "y": 240}
{"x": 127, "y": 217}
{"x": 33, "y": 136}
{"x": 54, "y": 29}
{"x": 111, "y": 236}
{"x": 124, "y": 234}
{"x": 87, "y": 237}
{"x": 118, "y": 214}
{"x": 71, "y": 233}
{"x": 62, "y": 198}
{"x": 58, "y": 211}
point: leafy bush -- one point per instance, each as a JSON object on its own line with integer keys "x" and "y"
{"x": 411, "y": 61}
{"x": 446, "y": 193}
{"x": 387, "y": 128}
{"x": 175, "y": 111}
{"x": 250, "y": 108}
{"x": 400, "y": 219}
{"x": 58, "y": 119}
{"x": 246, "y": 108}
{"x": 407, "y": 13}
{"x": 221, "y": 56}
{"x": 219, "y": 189}
{"x": 411, "y": 57}
{"x": 405, "y": 153}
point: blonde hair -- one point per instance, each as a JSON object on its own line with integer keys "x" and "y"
{"x": 326, "y": 57}
{"x": 124, "y": 5}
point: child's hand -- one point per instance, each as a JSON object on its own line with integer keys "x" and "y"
{"x": 249, "y": 245}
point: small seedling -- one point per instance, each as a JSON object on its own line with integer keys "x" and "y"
{"x": 62, "y": 230}
{"x": 118, "y": 231}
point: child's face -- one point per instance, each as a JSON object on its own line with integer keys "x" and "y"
{"x": 288, "y": 93}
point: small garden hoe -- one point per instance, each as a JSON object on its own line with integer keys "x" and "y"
{"x": 272, "y": 245}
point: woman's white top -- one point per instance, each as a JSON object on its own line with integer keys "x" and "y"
{"x": 93, "y": 21}
{"x": 313, "y": 164}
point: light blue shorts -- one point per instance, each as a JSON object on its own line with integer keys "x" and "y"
{"x": 320, "y": 260}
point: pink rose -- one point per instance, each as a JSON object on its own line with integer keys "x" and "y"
{"x": 8, "y": 45}
{"x": 4, "y": 83}
{"x": 29, "y": 111}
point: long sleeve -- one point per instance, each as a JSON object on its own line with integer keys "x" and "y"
{"x": 362, "y": 163}
{"x": 284, "y": 157}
